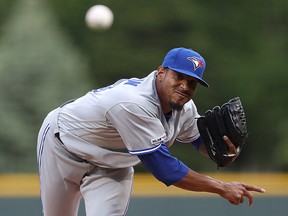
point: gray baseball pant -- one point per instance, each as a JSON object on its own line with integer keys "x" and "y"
{"x": 65, "y": 178}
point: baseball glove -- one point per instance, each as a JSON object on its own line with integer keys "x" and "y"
{"x": 229, "y": 120}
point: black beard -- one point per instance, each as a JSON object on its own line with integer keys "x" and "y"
{"x": 175, "y": 106}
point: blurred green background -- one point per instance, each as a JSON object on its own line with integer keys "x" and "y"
{"x": 48, "y": 55}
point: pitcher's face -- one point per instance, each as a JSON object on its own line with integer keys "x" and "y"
{"x": 174, "y": 89}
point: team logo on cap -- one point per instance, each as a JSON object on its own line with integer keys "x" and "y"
{"x": 196, "y": 62}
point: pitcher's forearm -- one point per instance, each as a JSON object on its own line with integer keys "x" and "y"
{"x": 194, "y": 181}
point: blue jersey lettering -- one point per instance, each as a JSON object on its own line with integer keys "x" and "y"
{"x": 133, "y": 82}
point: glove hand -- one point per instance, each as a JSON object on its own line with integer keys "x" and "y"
{"x": 223, "y": 131}
{"x": 232, "y": 148}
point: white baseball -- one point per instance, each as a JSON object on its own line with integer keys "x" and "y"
{"x": 99, "y": 17}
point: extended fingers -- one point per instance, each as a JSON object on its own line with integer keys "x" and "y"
{"x": 244, "y": 191}
{"x": 253, "y": 188}
{"x": 237, "y": 192}
{"x": 248, "y": 194}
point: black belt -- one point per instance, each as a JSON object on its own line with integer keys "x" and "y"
{"x": 57, "y": 135}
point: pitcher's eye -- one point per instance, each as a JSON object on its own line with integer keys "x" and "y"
{"x": 193, "y": 83}
{"x": 180, "y": 76}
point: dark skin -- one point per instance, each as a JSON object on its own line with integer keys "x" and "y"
{"x": 174, "y": 90}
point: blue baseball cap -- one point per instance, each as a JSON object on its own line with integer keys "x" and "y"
{"x": 186, "y": 61}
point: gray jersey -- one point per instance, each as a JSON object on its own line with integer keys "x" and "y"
{"x": 123, "y": 120}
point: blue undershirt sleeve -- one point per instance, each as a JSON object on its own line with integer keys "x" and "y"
{"x": 196, "y": 143}
{"x": 164, "y": 166}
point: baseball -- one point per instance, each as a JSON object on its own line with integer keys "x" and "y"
{"x": 99, "y": 17}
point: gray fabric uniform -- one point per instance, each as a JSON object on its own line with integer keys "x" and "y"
{"x": 101, "y": 135}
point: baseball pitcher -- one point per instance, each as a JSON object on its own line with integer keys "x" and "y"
{"x": 87, "y": 147}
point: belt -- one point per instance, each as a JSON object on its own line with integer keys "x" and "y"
{"x": 57, "y": 135}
